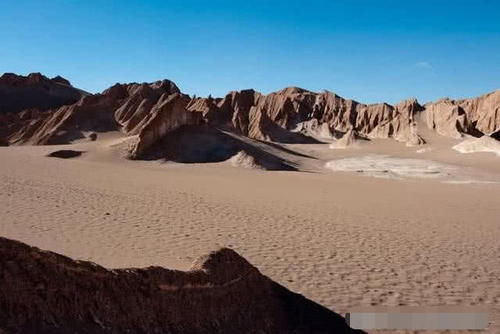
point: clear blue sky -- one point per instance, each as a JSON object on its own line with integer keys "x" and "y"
{"x": 367, "y": 50}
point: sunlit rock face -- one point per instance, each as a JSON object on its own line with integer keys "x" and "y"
{"x": 475, "y": 116}
{"x": 292, "y": 115}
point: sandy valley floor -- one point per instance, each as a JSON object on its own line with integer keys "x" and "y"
{"x": 340, "y": 238}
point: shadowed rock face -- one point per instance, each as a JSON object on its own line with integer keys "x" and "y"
{"x": 35, "y": 91}
{"x": 496, "y": 135}
{"x": 204, "y": 143}
{"x": 43, "y": 292}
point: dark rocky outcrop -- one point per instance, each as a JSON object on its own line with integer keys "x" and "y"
{"x": 18, "y": 92}
{"x": 43, "y": 292}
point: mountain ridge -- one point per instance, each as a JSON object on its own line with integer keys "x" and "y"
{"x": 290, "y": 115}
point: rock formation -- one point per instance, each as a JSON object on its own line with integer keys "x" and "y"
{"x": 18, "y": 93}
{"x": 447, "y": 118}
{"x": 292, "y": 115}
{"x": 475, "y": 116}
{"x": 43, "y": 292}
{"x": 348, "y": 139}
{"x": 205, "y": 143}
{"x": 146, "y": 110}
{"x": 273, "y": 117}
{"x": 168, "y": 114}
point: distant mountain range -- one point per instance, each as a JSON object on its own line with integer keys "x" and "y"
{"x": 38, "y": 110}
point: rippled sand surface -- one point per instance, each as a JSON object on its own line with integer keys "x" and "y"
{"x": 341, "y": 239}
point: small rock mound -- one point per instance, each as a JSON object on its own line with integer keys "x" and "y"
{"x": 224, "y": 264}
{"x": 92, "y": 136}
{"x": 414, "y": 139}
{"x": 245, "y": 160}
{"x": 65, "y": 154}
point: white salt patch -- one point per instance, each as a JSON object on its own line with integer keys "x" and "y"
{"x": 470, "y": 182}
{"x": 389, "y": 167}
{"x": 483, "y": 144}
{"x": 337, "y": 145}
{"x": 423, "y": 150}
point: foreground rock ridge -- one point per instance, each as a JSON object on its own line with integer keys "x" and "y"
{"x": 44, "y": 292}
{"x": 150, "y": 111}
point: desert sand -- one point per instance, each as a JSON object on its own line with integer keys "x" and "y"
{"x": 343, "y": 239}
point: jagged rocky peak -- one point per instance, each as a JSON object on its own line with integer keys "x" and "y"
{"x": 35, "y": 91}
{"x": 61, "y": 80}
{"x": 147, "y": 110}
{"x": 291, "y": 115}
{"x": 31, "y": 79}
{"x": 474, "y": 116}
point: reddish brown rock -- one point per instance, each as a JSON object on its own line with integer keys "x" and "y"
{"x": 447, "y": 118}
{"x": 35, "y": 91}
{"x": 43, "y": 292}
{"x": 483, "y": 112}
{"x": 292, "y": 115}
{"x": 167, "y": 115}
{"x": 272, "y": 117}
{"x": 475, "y": 116}
{"x": 135, "y": 109}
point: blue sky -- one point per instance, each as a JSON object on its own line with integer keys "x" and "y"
{"x": 370, "y": 51}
